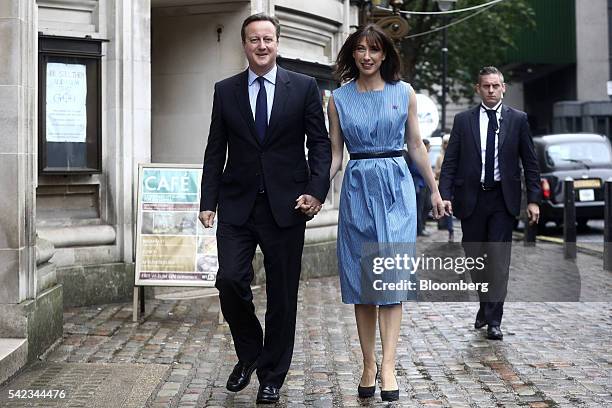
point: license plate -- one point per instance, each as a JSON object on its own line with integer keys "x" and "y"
{"x": 586, "y": 195}
{"x": 588, "y": 183}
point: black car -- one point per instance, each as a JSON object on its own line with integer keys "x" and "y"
{"x": 587, "y": 158}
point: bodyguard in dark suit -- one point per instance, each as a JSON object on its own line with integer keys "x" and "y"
{"x": 264, "y": 190}
{"x": 481, "y": 175}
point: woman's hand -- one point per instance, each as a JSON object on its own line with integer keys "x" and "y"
{"x": 440, "y": 207}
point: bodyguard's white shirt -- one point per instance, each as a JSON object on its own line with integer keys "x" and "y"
{"x": 484, "y": 124}
{"x": 269, "y": 83}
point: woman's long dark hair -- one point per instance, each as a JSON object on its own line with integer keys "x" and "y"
{"x": 346, "y": 68}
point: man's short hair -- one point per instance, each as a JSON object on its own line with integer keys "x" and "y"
{"x": 259, "y": 17}
{"x": 490, "y": 70}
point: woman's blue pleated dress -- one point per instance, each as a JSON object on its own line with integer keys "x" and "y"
{"x": 378, "y": 201}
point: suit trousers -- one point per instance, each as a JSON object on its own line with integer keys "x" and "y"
{"x": 282, "y": 250}
{"x": 488, "y": 233}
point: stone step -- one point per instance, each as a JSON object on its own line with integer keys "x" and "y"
{"x": 13, "y": 356}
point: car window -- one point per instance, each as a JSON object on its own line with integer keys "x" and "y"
{"x": 577, "y": 152}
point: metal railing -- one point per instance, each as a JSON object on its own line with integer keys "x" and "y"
{"x": 607, "y": 246}
{"x": 569, "y": 219}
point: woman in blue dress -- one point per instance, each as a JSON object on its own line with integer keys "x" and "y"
{"x": 374, "y": 114}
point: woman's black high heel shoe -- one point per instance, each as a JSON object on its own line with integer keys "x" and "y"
{"x": 392, "y": 395}
{"x": 389, "y": 395}
{"x": 368, "y": 392}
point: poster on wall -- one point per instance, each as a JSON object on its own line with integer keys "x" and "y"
{"x": 172, "y": 246}
{"x": 66, "y": 104}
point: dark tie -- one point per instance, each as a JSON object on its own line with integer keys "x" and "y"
{"x": 261, "y": 110}
{"x": 489, "y": 181}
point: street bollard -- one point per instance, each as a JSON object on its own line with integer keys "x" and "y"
{"x": 608, "y": 225}
{"x": 569, "y": 219}
{"x": 529, "y": 238}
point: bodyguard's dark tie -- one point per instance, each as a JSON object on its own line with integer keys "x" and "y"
{"x": 261, "y": 110}
{"x": 489, "y": 181}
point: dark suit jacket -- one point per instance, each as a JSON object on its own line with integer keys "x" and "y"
{"x": 462, "y": 166}
{"x": 231, "y": 187}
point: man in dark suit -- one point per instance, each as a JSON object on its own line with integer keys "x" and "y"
{"x": 264, "y": 194}
{"x": 481, "y": 174}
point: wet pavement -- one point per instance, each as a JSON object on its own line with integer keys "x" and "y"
{"x": 554, "y": 354}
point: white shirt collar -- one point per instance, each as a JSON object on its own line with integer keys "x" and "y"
{"x": 483, "y": 107}
{"x": 270, "y": 76}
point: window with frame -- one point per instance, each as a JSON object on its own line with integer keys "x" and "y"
{"x": 69, "y": 105}
{"x": 602, "y": 125}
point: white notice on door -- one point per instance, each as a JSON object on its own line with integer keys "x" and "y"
{"x": 66, "y": 117}
{"x": 586, "y": 195}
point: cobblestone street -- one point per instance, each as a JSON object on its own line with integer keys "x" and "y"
{"x": 552, "y": 355}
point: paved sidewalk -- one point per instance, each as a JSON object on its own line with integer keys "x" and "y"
{"x": 553, "y": 354}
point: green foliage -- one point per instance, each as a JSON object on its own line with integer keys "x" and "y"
{"x": 479, "y": 41}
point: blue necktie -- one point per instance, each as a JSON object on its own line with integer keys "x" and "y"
{"x": 489, "y": 181}
{"x": 261, "y": 110}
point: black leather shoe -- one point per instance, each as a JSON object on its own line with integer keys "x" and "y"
{"x": 268, "y": 394}
{"x": 494, "y": 333}
{"x": 240, "y": 376}
{"x": 479, "y": 324}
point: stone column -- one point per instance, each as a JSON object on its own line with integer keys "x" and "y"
{"x": 27, "y": 311}
{"x": 592, "y": 63}
{"x": 18, "y": 62}
{"x": 127, "y": 111}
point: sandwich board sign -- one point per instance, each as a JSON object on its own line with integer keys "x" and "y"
{"x": 172, "y": 246}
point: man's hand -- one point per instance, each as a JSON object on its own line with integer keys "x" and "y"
{"x": 207, "y": 218}
{"x": 448, "y": 208}
{"x": 533, "y": 213}
{"x": 308, "y": 204}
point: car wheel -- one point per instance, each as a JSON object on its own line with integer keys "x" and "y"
{"x": 582, "y": 223}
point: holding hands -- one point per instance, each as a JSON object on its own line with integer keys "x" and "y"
{"x": 440, "y": 208}
{"x": 308, "y": 204}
